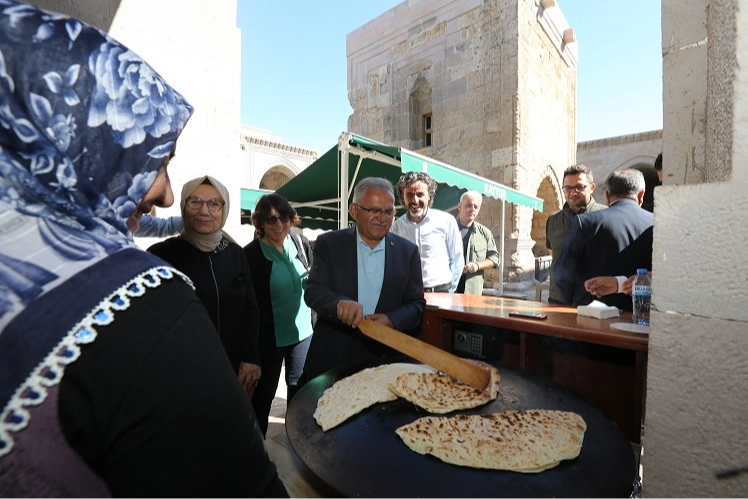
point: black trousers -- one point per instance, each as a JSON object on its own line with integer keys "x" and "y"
{"x": 271, "y": 364}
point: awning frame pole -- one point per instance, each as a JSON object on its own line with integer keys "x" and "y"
{"x": 343, "y": 180}
{"x": 501, "y": 262}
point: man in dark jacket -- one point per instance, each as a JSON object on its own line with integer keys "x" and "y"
{"x": 577, "y": 187}
{"x": 611, "y": 242}
{"x": 362, "y": 272}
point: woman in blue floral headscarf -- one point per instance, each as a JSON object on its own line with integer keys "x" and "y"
{"x": 113, "y": 380}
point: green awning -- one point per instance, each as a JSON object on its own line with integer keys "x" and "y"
{"x": 450, "y": 175}
{"x": 322, "y": 192}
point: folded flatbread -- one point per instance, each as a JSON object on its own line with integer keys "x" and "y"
{"x": 440, "y": 394}
{"x": 351, "y": 395}
{"x": 523, "y": 441}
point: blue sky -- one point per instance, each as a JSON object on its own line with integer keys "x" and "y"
{"x": 294, "y": 66}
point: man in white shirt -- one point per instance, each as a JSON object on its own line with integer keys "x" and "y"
{"x": 434, "y": 231}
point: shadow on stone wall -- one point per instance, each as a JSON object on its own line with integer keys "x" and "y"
{"x": 99, "y": 13}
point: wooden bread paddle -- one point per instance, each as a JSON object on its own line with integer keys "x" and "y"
{"x": 428, "y": 354}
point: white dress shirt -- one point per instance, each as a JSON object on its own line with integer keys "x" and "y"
{"x": 439, "y": 243}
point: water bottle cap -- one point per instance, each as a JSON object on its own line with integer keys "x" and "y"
{"x": 641, "y": 271}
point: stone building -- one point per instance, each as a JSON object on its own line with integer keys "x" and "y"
{"x": 486, "y": 85}
{"x": 637, "y": 151}
{"x": 268, "y": 162}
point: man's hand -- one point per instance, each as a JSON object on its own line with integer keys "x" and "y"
{"x": 470, "y": 268}
{"x": 380, "y": 318}
{"x": 602, "y": 286}
{"x": 627, "y": 285}
{"x": 249, "y": 375}
{"x": 350, "y": 312}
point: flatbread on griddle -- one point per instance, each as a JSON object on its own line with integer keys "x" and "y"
{"x": 353, "y": 394}
{"x": 440, "y": 394}
{"x": 523, "y": 441}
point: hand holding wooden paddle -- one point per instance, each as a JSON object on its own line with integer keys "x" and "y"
{"x": 428, "y": 354}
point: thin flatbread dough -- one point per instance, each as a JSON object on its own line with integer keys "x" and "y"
{"x": 440, "y": 394}
{"x": 523, "y": 441}
{"x": 351, "y": 395}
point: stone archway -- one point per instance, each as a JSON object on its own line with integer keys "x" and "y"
{"x": 276, "y": 177}
{"x": 651, "y": 180}
{"x": 547, "y": 191}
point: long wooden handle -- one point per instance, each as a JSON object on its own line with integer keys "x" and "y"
{"x": 428, "y": 354}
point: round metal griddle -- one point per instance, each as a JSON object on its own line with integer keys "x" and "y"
{"x": 364, "y": 457}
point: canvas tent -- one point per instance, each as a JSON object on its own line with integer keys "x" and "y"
{"x": 322, "y": 192}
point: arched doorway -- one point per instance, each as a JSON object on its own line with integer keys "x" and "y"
{"x": 276, "y": 177}
{"x": 271, "y": 180}
{"x": 651, "y": 180}
{"x": 547, "y": 192}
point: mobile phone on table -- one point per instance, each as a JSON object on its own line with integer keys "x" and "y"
{"x": 529, "y": 315}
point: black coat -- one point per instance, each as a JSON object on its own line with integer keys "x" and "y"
{"x": 222, "y": 282}
{"x": 611, "y": 242}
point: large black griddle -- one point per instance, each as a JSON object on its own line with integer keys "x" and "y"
{"x": 364, "y": 457}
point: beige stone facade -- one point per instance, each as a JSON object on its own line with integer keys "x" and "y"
{"x": 496, "y": 78}
{"x": 269, "y": 162}
{"x": 604, "y": 156}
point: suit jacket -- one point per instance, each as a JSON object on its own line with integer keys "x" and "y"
{"x": 616, "y": 241}
{"x": 556, "y": 228}
{"x": 334, "y": 277}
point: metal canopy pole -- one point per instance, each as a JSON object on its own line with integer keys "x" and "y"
{"x": 501, "y": 252}
{"x": 343, "y": 180}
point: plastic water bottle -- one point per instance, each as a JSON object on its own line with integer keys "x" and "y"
{"x": 641, "y": 294}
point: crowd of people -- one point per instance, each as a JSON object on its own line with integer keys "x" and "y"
{"x": 153, "y": 373}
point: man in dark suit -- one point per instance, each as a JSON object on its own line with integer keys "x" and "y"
{"x": 362, "y": 272}
{"x": 611, "y": 242}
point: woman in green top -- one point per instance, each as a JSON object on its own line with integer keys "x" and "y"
{"x": 279, "y": 262}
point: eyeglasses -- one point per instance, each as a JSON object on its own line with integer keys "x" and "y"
{"x": 196, "y": 203}
{"x": 568, "y": 188}
{"x": 273, "y": 220}
{"x": 378, "y": 212}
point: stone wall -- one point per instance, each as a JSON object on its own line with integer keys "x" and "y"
{"x": 604, "y": 156}
{"x": 268, "y": 161}
{"x": 695, "y": 425}
{"x": 499, "y": 82}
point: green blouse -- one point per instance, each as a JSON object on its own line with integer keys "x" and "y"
{"x": 288, "y": 278}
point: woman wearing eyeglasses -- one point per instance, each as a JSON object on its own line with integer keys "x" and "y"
{"x": 219, "y": 272}
{"x": 279, "y": 262}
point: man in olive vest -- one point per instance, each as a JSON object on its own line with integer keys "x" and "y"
{"x": 478, "y": 244}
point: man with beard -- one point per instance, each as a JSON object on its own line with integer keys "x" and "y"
{"x": 611, "y": 242}
{"x": 434, "y": 232}
{"x": 577, "y": 187}
{"x": 362, "y": 272}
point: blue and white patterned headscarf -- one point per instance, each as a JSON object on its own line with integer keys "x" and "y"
{"x": 85, "y": 126}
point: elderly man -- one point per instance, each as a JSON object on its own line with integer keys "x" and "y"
{"x": 362, "y": 272}
{"x": 577, "y": 188}
{"x": 434, "y": 232}
{"x": 478, "y": 244}
{"x": 611, "y": 242}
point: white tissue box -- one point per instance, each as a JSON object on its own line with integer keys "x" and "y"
{"x": 598, "y": 310}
